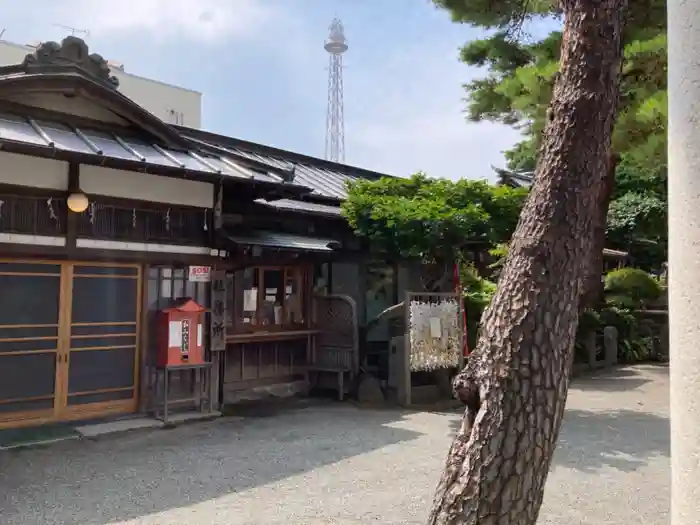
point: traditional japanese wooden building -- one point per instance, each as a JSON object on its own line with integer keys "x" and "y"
{"x": 297, "y": 258}
{"x": 109, "y": 216}
{"x": 104, "y": 211}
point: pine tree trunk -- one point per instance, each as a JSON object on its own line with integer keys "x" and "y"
{"x": 592, "y": 295}
{"x": 515, "y": 384}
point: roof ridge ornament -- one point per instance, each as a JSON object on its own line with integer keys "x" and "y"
{"x": 72, "y": 51}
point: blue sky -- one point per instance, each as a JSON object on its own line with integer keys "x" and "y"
{"x": 261, "y": 67}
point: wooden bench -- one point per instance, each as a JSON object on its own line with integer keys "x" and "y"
{"x": 335, "y": 349}
{"x": 334, "y": 360}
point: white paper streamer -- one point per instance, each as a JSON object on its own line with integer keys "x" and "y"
{"x": 427, "y": 351}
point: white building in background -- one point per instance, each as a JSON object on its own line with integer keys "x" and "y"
{"x": 171, "y": 104}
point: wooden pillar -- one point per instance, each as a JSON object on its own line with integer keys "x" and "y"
{"x": 71, "y": 217}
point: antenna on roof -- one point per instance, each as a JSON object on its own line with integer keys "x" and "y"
{"x": 3, "y": 31}
{"x": 73, "y": 30}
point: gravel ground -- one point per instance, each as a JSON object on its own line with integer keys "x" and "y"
{"x": 336, "y": 464}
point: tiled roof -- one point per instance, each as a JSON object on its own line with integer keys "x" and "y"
{"x": 326, "y": 179}
{"x": 69, "y": 65}
{"x": 54, "y": 134}
{"x": 302, "y": 206}
{"x": 609, "y": 252}
{"x": 285, "y": 241}
{"x": 324, "y": 182}
{"x": 517, "y": 179}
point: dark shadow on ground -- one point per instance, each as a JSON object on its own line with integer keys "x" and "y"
{"x": 623, "y": 439}
{"x": 609, "y": 437}
{"x": 122, "y": 478}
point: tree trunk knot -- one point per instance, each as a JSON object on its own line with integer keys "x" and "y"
{"x": 467, "y": 391}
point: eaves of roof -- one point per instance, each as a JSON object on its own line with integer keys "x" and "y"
{"x": 327, "y": 180}
{"x": 53, "y": 138}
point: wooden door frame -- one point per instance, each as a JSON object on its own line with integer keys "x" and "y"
{"x": 64, "y": 325}
{"x": 34, "y": 417}
{"x": 104, "y": 408}
{"x": 61, "y": 411}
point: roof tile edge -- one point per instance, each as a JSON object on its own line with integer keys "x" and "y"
{"x": 286, "y": 154}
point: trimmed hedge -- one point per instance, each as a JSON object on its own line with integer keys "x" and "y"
{"x": 630, "y": 287}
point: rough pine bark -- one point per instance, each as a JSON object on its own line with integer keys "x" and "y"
{"x": 592, "y": 294}
{"x": 516, "y": 382}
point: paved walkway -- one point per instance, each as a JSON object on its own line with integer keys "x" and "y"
{"x": 335, "y": 464}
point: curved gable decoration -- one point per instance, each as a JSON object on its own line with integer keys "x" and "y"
{"x": 72, "y": 52}
{"x": 69, "y": 67}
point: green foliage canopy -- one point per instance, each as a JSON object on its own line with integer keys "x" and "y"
{"x": 504, "y": 14}
{"x": 517, "y": 88}
{"x": 631, "y": 287}
{"x": 426, "y": 218}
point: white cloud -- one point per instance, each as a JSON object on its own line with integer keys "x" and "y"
{"x": 403, "y": 106}
{"x": 206, "y": 20}
{"x": 414, "y": 118}
{"x": 440, "y": 143}
{"x": 196, "y": 20}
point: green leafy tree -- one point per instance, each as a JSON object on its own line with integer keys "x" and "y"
{"x": 515, "y": 383}
{"x": 517, "y": 90}
{"x": 431, "y": 219}
{"x": 637, "y": 218}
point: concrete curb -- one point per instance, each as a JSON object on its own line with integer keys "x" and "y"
{"x": 99, "y": 431}
{"x": 128, "y": 426}
{"x": 38, "y": 444}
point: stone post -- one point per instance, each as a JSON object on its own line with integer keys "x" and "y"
{"x": 610, "y": 345}
{"x": 591, "y": 350}
{"x": 684, "y": 256}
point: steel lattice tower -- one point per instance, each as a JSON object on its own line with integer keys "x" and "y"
{"x": 336, "y": 45}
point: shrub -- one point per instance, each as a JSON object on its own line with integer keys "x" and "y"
{"x": 631, "y": 287}
{"x": 625, "y": 321}
{"x": 634, "y": 335}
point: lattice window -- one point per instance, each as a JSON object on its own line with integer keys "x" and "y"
{"x": 122, "y": 222}
{"x": 32, "y": 215}
{"x": 270, "y": 298}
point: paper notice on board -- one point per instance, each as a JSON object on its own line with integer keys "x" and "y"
{"x": 175, "y": 334}
{"x": 435, "y": 327}
{"x": 250, "y": 300}
{"x": 200, "y": 332}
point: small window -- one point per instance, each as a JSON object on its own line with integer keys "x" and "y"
{"x": 177, "y": 117}
{"x": 322, "y": 279}
{"x": 269, "y": 298}
{"x": 167, "y": 283}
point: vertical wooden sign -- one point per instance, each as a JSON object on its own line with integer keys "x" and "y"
{"x": 219, "y": 290}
